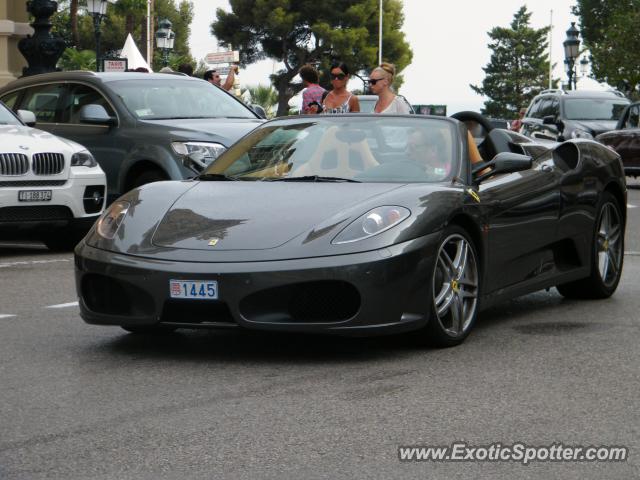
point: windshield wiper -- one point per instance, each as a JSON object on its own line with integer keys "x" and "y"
{"x": 216, "y": 177}
{"x": 313, "y": 178}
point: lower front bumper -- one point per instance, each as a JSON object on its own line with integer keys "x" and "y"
{"x": 382, "y": 291}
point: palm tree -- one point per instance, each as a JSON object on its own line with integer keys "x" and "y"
{"x": 266, "y": 97}
{"x": 73, "y": 16}
{"x": 73, "y": 59}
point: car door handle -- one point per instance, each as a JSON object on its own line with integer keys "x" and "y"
{"x": 546, "y": 168}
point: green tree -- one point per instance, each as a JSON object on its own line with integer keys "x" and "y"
{"x": 297, "y": 32}
{"x": 610, "y": 33}
{"x": 129, "y": 16}
{"x": 266, "y": 97}
{"x": 73, "y": 59}
{"x": 518, "y": 69}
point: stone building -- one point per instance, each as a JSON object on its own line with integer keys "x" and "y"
{"x": 13, "y": 26}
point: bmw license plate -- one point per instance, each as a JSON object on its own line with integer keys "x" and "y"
{"x": 194, "y": 289}
{"x": 34, "y": 195}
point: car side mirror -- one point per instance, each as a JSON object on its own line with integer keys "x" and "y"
{"x": 194, "y": 162}
{"x": 259, "y": 110}
{"x": 96, "y": 115}
{"x": 27, "y": 117}
{"x": 504, "y": 162}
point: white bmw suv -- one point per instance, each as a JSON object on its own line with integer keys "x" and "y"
{"x": 51, "y": 189}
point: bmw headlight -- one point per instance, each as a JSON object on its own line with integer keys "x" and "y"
{"x": 83, "y": 159}
{"x": 209, "y": 151}
{"x": 578, "y": 133}
{"x": 108, "y": 224}
{"x": 372, "y": 223}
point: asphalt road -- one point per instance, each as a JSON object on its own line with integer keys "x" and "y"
{"x": 79, "y": 401}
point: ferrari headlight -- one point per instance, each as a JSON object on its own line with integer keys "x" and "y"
{"x": 108, "y": 224}
{"x": 83, "y": 159}
{"x": 372, "y": 223}
{"x": 578, "y": 133}
{"x": 209, "y": 151}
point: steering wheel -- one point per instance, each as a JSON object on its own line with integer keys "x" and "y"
{"x": 468, "y": 116}
{"x": 475, "y": 117}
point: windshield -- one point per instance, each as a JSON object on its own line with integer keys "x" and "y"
{"x": 6, "y": 117}
{"x": 175, "y": 98}
{"x": 593, "y": 108}
{"x": 339, "y": 148}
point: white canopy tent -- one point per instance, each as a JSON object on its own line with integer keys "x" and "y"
{"x": 132, "y": 54}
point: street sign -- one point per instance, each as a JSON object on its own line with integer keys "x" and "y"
{"x": 223, "y": 57}
{"x": 114, "y": 65}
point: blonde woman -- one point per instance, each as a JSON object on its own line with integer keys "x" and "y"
{"x": 380, "y": 81}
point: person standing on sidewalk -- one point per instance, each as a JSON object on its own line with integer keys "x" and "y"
{"x": 380, "y": 81}
{"x": 339, "y": 99}
{"x": 312, "y": 93}
{"x": 214, "y": 77}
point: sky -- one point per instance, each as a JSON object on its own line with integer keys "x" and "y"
{"x": 449, "y": 41}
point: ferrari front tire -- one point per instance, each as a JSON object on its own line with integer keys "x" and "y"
{"x": 607, "y": 255}
{"x": 455, "y": 289}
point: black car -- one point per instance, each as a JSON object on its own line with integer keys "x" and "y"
{"x": 557, "y": 115}
{"x": 138, "y": 126}
{"x": 625, "y": 139}
{"x": 358, "y": 225}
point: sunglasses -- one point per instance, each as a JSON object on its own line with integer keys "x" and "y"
{"x": 339, "y": 76}
{"x": 373, "y": 81}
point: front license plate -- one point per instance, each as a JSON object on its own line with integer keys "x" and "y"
{"x": 34, "y": 195}
{"x": 194, "y": 289}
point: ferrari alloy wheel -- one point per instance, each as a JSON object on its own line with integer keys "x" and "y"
{"x": 607, "y": 255}
{"x": 455, "y": 287}
{"x": 609, "y": 244}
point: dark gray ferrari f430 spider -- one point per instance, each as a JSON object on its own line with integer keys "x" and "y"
{"x": 358, "y": 225}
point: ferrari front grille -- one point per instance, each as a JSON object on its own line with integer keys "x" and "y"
{"x": 13, "y": 164}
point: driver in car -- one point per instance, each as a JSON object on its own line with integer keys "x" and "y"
{"x": 427, "y": 149}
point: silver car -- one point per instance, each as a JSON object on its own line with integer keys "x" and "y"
{"x": 140, "y": 127}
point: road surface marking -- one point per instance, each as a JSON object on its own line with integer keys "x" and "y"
{"x": 32, "y": 262}
{"x": 6, "y": 315}
{"x": 64, "y": 305}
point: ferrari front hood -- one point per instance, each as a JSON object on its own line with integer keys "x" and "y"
{"x": 256, "y": 215}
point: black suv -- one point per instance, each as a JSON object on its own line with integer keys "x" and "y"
{"x": 140, "y": 127}
{"x": 557, "y": 115}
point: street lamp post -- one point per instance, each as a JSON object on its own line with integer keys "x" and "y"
{"x": 164, "y": 39}
{"x": 571, "y": 51}
{"x": 98, "y": 10}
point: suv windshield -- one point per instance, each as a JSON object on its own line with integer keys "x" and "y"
{"x": 175, "y": 98}
{"x": 343, "y": 148}
{"x": 7, "y": 118}
{"x": 593, "y": 108}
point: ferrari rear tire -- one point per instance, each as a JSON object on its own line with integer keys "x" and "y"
{"x": 150, "y": 330}
{"x": 607, "y": 255}
{"x": 455, "y": 290}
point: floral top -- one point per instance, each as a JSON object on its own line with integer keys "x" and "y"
{"x": 344, "y": 108}
{"x": 313, "y": 93}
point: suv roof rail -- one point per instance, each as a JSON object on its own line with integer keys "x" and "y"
{"x": 552, "y": 90}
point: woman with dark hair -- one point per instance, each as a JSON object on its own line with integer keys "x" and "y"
{"x": 339, "y": 99}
